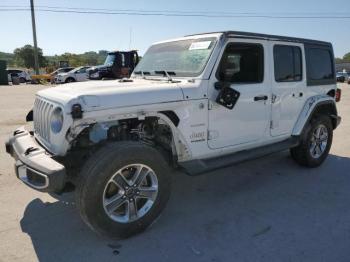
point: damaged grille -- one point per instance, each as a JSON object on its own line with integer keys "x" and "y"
{"x": 42, "y": 113}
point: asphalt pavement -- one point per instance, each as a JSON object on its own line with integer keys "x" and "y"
{"x": 269, "y": 209}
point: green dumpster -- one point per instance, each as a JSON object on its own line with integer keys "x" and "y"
{"x": 3, "y": 73}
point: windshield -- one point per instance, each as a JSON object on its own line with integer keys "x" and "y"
{"x": 184, "y": 58}
{"x": 110, "y": 59}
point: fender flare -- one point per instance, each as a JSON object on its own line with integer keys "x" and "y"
{"x": 310, "y": 107}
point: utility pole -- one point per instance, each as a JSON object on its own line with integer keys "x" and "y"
{"x": 36, "y": 59}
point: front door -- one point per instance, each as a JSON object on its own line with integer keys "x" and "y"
{"x": 288, "y": 86}
{"x": 243, "y": 67}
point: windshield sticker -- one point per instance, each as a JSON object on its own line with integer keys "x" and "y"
{"x": 200, "y": 45}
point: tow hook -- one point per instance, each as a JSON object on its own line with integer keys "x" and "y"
{"x": 17, "y": 132}
{"x": 30, "y": 149}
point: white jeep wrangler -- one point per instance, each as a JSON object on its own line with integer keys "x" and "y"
{"x": 197, "y": 103}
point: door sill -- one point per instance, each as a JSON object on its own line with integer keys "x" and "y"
{"x": 200, "y": 166}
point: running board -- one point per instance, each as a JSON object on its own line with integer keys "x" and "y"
{"x": 199, "y": 166}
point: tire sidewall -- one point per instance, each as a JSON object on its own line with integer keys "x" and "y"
{"x": 308, "y": 135}
{"x": 70, "y": 80}
{"x": 91, "y": 195}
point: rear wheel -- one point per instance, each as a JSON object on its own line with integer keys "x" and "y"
{"x": 315, "y": 143}
{"x": 123, "y": 189}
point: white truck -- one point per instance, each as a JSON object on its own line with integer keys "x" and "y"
{"x": 195, "y": 103}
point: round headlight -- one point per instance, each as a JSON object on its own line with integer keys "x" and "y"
{"x": 57, "y": 120}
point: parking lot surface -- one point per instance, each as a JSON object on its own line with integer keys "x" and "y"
{"x": 269, "y": 209}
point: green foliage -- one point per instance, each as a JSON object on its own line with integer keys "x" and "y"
{"x": 345, "y": 59}
{"x": 24, "y": 57}
{"x": 9, "y": 58}
{"x": 87, "y": 58}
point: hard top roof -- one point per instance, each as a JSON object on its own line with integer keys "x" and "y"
{"x": 240, "y": 34}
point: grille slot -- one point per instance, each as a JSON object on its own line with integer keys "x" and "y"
{"x": 42, "y": 112}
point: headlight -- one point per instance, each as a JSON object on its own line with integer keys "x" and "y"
{"x": 57, "y": 120}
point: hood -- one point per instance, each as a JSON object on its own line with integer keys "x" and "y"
{"x": 99, "y": 68}
{"x": 97, "y": 95}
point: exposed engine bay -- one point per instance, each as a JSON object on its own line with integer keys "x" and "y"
{"x": 152, "y": 131}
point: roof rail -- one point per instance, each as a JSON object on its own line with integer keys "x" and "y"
{"x": 240, "y": 34}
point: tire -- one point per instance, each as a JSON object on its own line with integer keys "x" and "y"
{"x": 69, "y": 80}
{"x": 22, "y": 80}
{"x": 95, "y": 183}
{"x": 304, "y": 154}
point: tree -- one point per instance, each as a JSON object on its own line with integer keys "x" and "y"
{"x": 346, "y": 58}
{"x": 24, "y": 56}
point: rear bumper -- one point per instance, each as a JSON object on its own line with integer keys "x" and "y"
{"x": 34, "y": 165}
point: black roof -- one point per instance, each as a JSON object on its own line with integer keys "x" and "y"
{"x": 250, "y": 35}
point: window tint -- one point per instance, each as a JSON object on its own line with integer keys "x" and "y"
{"x": 288, "y": 65}
{"x": 242, "y": 63}
{"x": 320, "y": 66}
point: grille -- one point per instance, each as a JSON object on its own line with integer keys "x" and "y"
{"x": 42, "y": 113}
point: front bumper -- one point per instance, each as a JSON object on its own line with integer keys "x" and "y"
{"x": 34, "y": 165}
{"x": 58, "y": 81}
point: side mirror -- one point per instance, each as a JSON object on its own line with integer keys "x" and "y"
{"x": 227, "y": 96}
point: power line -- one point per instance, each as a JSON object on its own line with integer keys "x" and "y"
{"x": 179, "y": 14}
{"x": 181, "y": 11}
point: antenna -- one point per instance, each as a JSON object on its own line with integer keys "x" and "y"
{"x": 130, "y": 37}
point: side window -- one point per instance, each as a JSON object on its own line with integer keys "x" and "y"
{"x": 320, "y": 66}
{"x": 242, "y": 63}
{"x": 288, "y": 64}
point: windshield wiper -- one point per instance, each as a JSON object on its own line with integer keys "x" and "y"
{"x": 166, "y": 73}
{"x": 142, "y": 73}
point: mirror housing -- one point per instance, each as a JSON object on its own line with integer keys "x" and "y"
{"x": 227, "y": 96}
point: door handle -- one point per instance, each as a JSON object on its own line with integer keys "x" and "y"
{"x": 260, "y": 98}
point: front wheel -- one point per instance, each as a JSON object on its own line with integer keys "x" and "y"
{"x": 315, "y": 143}
{"x": 123, "y": 188}
{"x": 70, "y": 80}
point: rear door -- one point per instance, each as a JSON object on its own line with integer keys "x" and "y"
{"x": 288, "y": 86}
{"x": 244, "y": 66}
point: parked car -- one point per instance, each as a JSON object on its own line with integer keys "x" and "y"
{"x": 342, "y": 76}
{"x": 119, "y": 64}
{"x": 21, "y": 74}
{"x": 195, "y": 103}
{"x": 76, "y": 75}
{"x": 51, "y": 77}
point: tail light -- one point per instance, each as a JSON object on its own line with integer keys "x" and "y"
{"x": 337, "y": 95}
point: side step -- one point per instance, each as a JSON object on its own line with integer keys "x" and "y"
{"x": 199, "y": 166}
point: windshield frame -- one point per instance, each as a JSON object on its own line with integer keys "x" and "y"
{"x": 213, "y": 37}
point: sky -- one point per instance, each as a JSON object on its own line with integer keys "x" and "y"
{"x": 77, "y": 33}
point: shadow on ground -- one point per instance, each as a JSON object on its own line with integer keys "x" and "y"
{"x": 264, "y": 210}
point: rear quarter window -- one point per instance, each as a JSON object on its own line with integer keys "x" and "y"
{"x": 320, "y": 66}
